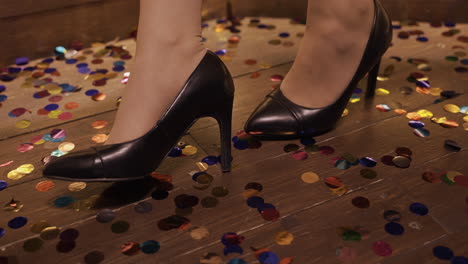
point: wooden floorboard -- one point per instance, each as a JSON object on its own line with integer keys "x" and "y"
{"x": 312, "y": 212}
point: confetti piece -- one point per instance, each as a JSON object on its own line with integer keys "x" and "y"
{"x": 310, "y": 177}
{"x": 284, "y": 238}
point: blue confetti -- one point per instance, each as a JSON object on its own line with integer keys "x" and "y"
{"x": 394, "y": 229}
{"x": 3, "y": 185}
{"x": 419, "y": 209}
{"x": 48, "y": 60}
{"x": 416, "y": 124}
{"x": 210, "y": 160}
{"x": 175, "y": 152}
{"x": 2, "y": 231}
{"x": 50, "y": 70}
{"x": 91, "y": 92}
{"x": 367, "y": 162}
{"x": 3, "y": 97}
{"x": 442, "y": 252}
{"x": 51, "y": 107}
{"x": 255, "y": 202}
{"x": 459, "y": 260}
{"x": 2, "y": 88}
{"x": 237, "y": 261}
{"x": 17, "y": 222}
{"x": 265, "y": 206}
{"x": 268, "y": 257}
{"x": 21, "y": 61}
{"x": 150, "y": 247}
{"x": 422, "y": 39}
{"x": 64, "y": 201}
{"x": 283, "y": 35}
{"x": 71, "y": 61}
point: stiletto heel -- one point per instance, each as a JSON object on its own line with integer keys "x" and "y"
{"x": 372, "y": 79}
{"x": 224, "y": 121}
{"x": 209, "y": 91}
{"x": 279, "y": 118}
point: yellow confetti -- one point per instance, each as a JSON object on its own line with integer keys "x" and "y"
{"x": 382, "y": 78}
{"x": 249, "y": 193}
{"x": 202, "y": 166}
{"x": 413, "y": 116}
{"x": 382, "y": 91}
{"x": 189, "y": 150}
{"x": 284, "y": 238}
{"x": 345, "y": 112}
{"x": 25, "y": 168}
{"x": 66, "y": 146}
{"x": 76, "y": 186}
{"x": 265, "y": 65}
{"x": 53, "y": 88}
{"x": 310, "y": 177}
{"x": 425, "y": 113}
{"x": 340, "y": 191}
{"x": 99, "y": 138}
{"x": 435, "y": 91}
{"x": 439, "y": 120}
{"x": 15, "y": 175}
{"x": 354, "y": 100}
{"x": 23, "y": 124}
{"x": 39, "y": 142}
{"x": 451, "y": 108}
{"x": 465, "y": 126}
{"x": 465, "y": 118}
{"x": 54, "y": 114}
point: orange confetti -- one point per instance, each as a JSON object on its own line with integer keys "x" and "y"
{"x": 44, "y": 186}
{"x": 400, "y": 111}
{"x": 71, "y": 105}
{"x": 99, "y": 138}
{"x": 98, "y": 124}
{"x": 413, "y": 116}
{"x": 161, "y": 177}
{"x": 287, "y": 260}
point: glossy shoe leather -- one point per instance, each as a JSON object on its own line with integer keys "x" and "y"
{"x": 278, "y": 118}
{"x": 208, "y": 92}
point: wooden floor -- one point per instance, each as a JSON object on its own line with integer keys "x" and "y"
{"x": 311, "y": 212}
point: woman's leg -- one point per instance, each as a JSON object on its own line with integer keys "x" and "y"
{"x": 168, "y": 50}
{"x": 336, "y": 35}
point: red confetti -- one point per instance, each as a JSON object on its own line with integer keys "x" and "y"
{"x": 382, "y": 249}
{"x": 270, "y": 214}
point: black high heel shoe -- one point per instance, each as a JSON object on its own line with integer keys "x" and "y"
{"x": 208, "y": 92}
{"x": 279, "y": 118}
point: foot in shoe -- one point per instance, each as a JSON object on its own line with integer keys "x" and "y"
{"x": 336, "y": 35}
{"x": 156, "y": 79}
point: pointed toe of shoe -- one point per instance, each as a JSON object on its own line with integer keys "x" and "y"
{"x": 73, "y": 166}
{"x": 271, "y": 119}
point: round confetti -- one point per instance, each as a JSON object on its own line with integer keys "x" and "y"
{"x": 3, "y": 185}
{"x": 120, "y": 227}
{"x": 268, "y": 257}
{"x": 421, "y": 132}
{"x": 105, "y": 216}
{"x": 333, "y": 182}
{"x": 219, "y": 191}
{"x": 209, "y": 202}
{"x": 382, "y": 249}
{"x": 94, "y": 257}
{"x": 270, "y": 214}
{"x": 143, "y": 207}
{"x": 451, "y": 108}
{"x": 33, "y": 244}
{"x": 39, "y": 226}
{"x": 394, "y": 228}
{"x": 25, "y": 168}
{"x": 255, "y": 202}
{"x": 17, "y": 222}
{"x": 23, "y": 124}
{"x": 367, "y": 162}
{"x": 419, "y": 209}
{"x": 50, "y": 233}
{"x": 98, "y": 124}
{"x": 401, "y": 161}
{"x": 254, "y": 185}
{"x": 368, "y": 173}
{"x": 69, "y": 234}
{"x": 189, "y": 150}
{"x": 361, "y": 202}
{"x": 150, "y": 247}
{"x": 64, "y": 201}
{"x": 310, "y": 177}
{"x": 15, "y": 175}
{"x": 326, "y": 150}
{"x": 76, "y": 186}
{"x": 199, "y": 233}
{"x": 443, "y": 253}
{"x": 65, "y": 246}
{"x": 284, "y": 238}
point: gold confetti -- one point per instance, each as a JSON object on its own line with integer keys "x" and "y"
{"x": 400, "y": 111}
{"x": 39, "y": 226}
{"x": 451, "y": 108}
{"x": 465, "y": 126}
{"x": 39, "y": 142}
{"x": 413, "y": 116}
{"x": 76, "y": 186}
{"x": 54, "y": 114}
{"x": 465, "y": 118}
{"x": 50, "y": 233}
{"x": 189, "y": 150}
{"x": 249, "y": 193}
{"x": 198, "y": 233}
{"x": 284, "y": 238}
{"x": 25, "y": 168}
{"x": 66, "y": 146}
{"x": 382, "y": 91}
{"x": 98, "y": 124}
{"x": 340, "y": 190}
{"x": 99, "y": 138}
{"x": 265, "y": 65}
{"x": 23, "y": 124}
{"x": 439, "y": 120}
{"x": 345, "y": 112}
{"x": 202, "y": 166}
{"x": 310, "y": 177}
{"x": 382, "y": 78}
{"x": 425, "y": 113}
{"x": 435, "y": 91}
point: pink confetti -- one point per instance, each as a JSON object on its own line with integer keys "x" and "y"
{"x": 382, "y": 249}
{"x": 6, "y": 163}
{"x": 65, "y": 116}
{"x": 25, "y": 147}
